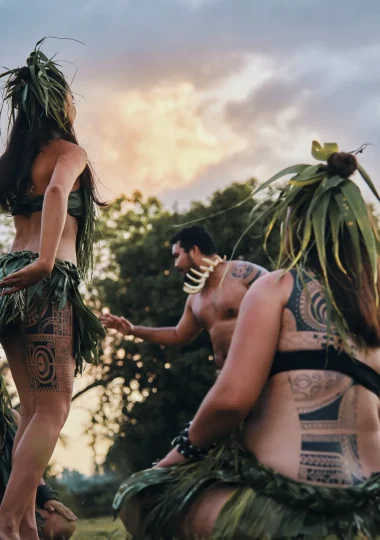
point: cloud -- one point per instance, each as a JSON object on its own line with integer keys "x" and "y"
{"x": 331, "y": 97}
{"x": 151, "y": 140}
{"x": 148, "y": 42}
{"x": 265, "y": 78}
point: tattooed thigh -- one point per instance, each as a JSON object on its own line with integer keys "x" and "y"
{"x": 49, "y": 348}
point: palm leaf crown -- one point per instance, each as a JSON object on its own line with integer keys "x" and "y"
{"x": 319, "y": 205}
{"x": 39, "y": 84}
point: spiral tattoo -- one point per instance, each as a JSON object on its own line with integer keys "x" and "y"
{"x": 49, "y": 349}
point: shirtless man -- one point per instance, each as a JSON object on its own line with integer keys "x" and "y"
{"x": 214, "y": 308}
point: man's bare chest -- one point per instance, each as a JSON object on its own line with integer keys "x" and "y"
{"x": 217, "y": 304}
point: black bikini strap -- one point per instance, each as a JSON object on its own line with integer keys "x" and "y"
{"x": 331, "y": 360}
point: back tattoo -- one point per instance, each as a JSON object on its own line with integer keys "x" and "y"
{"x": 326, "y": 401}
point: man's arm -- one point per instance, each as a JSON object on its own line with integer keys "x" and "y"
{"x": 247, "y": 272}
{"x": 186, "y": 330}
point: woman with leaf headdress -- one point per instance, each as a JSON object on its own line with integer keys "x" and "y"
{"x": 287, "y": 442}
{"x": 47, "y": 331}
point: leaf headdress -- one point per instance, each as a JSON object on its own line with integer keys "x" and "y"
{"x": 320, "y": 205}
{"x": 39, "y": 87}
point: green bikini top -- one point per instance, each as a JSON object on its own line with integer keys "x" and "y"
{"x": 27, "y": 205}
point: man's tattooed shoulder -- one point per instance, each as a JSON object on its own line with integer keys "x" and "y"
{"x": 242, "y": 269}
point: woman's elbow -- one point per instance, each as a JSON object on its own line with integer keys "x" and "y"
{"x": 234, "y": 406}
{"x": 57, "y": 190}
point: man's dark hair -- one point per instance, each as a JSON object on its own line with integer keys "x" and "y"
{"x": 188, "y": 237}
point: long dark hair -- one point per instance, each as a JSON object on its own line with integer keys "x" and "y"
{"x": 26, "y": 137}
{"x": 352, "y": 281}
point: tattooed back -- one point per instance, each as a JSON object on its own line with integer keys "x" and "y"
{"x": 317, "y": 426}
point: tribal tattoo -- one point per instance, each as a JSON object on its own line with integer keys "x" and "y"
{"x": 245, "y": 269}
{"x": 326, "y": 405}
{"x": 326, "y": 401}
{"x": 304, "y": 325}
{"x": 49, "y": 348}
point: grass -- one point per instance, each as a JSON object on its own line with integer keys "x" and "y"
{"x": 99, "y": 529}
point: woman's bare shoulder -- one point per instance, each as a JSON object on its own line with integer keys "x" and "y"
{"x": 273, "y": 288}
{"x": 60, "y": 147}
{"x": 278, "y": 281}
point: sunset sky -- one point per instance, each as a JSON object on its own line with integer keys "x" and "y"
{"x": 180, "y": 97}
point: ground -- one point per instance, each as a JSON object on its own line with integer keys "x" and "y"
{"x": 99, "y": 528}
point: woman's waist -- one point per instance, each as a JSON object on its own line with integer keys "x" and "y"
{"x": 66, "y": 251}
{"x": 28, "y": 238}
{"x": 16, "y": 260}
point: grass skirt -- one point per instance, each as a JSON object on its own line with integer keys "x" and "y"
{"x": 266, "y": 505}
{"x": 60, "y": 287}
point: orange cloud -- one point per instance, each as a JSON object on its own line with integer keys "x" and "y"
{"x": 151, "y": 140}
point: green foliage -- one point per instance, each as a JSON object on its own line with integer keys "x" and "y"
{"x": 313, "y": 202}
{"x": 39, "y": 83}
{"x": 154, "y": 389}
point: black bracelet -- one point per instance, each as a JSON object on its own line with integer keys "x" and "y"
{"x": 185, "y": 446}
{"x": 44, "y": 494}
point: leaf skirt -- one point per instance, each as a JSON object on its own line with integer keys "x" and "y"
{"x": 265, "y": 504}
{"x": 60, "y": 287}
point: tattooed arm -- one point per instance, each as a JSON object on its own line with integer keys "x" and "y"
{"x": 247, "y": 272}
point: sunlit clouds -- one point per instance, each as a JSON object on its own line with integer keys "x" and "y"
{"x": 151, "y": 140}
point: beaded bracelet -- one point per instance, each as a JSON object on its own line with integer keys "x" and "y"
{"x": 44, "y": 494}
{"x": 186, "y": 448}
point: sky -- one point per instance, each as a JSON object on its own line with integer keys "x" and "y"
{"x": 177, "y": 98}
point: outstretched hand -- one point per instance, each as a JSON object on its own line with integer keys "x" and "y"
{"x": 118, "y": 323}
{"x": 61, "y": 509}
{"x": 17, "y": 281}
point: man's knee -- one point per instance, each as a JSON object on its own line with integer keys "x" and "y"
{"x": 58, "y": 528}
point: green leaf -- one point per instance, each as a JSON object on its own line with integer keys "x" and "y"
{"x": 294, "y": 169}
{"x": 368, "y": 181}
{"x": 36, "y": 86}
{"x": 25, "y": 93}
{"x": 322, "y": 153}
{"x": 336, "y": 222}
{"x": 318, "y": 219}
{"x": 350, "y": 221}
{"x": 40, "y": 42}
{"x": 312, "y": 180}
{"x": 309, "y": 172}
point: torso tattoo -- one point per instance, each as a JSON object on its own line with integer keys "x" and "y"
{"x": 327, "y": 408}
{"x": 326, "y": 401}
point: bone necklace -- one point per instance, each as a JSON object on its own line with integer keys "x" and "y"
{"x": 200, "y": 278}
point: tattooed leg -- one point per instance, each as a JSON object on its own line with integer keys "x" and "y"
{"x": 49, "y": 345}
{"x": 45, "y": 402}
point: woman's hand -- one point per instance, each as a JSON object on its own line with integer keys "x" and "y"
{"x": 30, "y": 275}
{"x": 173, "y": 458}
{"x": 61, "y": 509}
